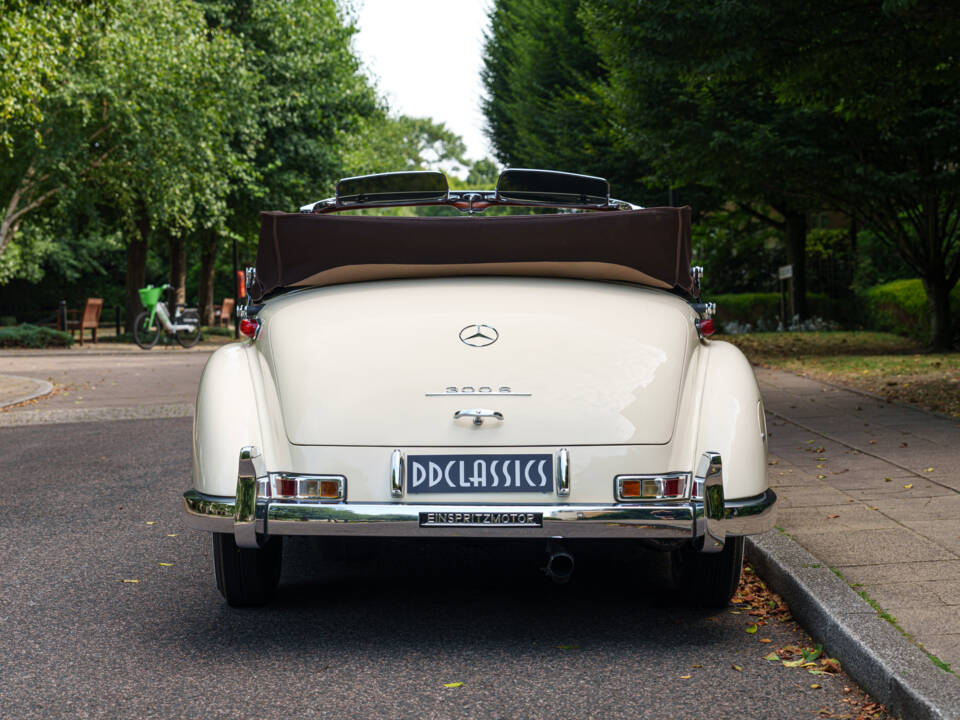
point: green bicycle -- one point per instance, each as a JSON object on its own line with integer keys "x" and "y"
{"x": 185, "y": 325}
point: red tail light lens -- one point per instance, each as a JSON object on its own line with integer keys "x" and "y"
{"x": 250, "y": 328}
{"x": 706, "y": 327}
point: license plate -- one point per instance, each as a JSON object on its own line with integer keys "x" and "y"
{"x": 481, "y": 519}
{"x": 479, "y": 473}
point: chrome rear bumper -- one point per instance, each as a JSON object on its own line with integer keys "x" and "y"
{"x": 678, "y": 520}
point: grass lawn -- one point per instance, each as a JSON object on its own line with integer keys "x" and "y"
{"x": 880, "y": 363}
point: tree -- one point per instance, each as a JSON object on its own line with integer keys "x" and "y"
{"x": 137, "y": 124}
{"x": 713, "y": 120}
{"x": 40, "y": 46}
{"x": 309, "y": 101}
{"x": 545, "y": 105}
{"x": 890, "y": 71}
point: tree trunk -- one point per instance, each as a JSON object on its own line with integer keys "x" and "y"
{"x": 796, "y": 227}
{"x": 941, "y": 322}
{"x": 136, "y": 271}
{"x": 207, "y": 266}
{"x": 178, "y": 269}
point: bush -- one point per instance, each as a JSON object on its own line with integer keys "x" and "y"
{"x": 901, "y": 307}
{"x": 7, "y": 320}
{"x": 761, "y": 311}
{"x": 31, "y": 336}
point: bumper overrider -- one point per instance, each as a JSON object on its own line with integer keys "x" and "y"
{"x": 706, "y": 520}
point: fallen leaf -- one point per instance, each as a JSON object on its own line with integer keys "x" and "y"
{"x": 772, "y": 657}
{"x": 929, "y": 470}
{"x": 736, "y": 667}
{"x": 129, "y": 581}
{"x": 832, "y": 517}
{"x": 888, "y": 479}
{"x": 873, "y": 442}
{"x": 171, "y": 534}
{"x": 766, "y": 640}
{"x": 165, "y": 564}
{"x": 151, "y": 522}
{"x": 821, "y": 476}
{"x": 908, "y": 486}
{"x": 453, "y": 685}
{"x": 752, "y": 629}
{"x": 696, "y": 666}
{"x": 686, "y": 677}
{"x": 815, "y": 686}
{"x": 568, "y": 647}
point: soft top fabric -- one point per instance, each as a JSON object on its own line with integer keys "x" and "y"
{"x": 648, "y": 247}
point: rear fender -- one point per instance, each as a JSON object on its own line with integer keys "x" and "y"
{"x": 226, "y": 419}
{"x": 732, "y": 422}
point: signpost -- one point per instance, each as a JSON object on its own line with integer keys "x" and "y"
{"x": 785, "y": 275}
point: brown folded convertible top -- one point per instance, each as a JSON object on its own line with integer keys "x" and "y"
{"x": 649, "y": 247}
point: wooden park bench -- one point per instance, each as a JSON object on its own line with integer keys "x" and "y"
{"x": 223, "y": 316}
{"x": 90, "y": 318}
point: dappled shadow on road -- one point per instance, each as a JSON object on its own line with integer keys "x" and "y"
{"x": 437, "y": 595}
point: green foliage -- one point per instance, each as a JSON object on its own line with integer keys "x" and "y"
{"x": 738, "y": 253}
{"x": 901, "y": 307}
{"x": 39, "y": 42}
{"x": 31, "y": 336}
{"x": 389, "y": 144}
{"x": 762, "y": 310}
{"x": 545, "y": 105}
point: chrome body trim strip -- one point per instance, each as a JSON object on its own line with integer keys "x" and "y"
{"x": 711, "y": 525}
{"x": 663, "y": 521}
{"x": 397, "y": 473}
{"x": 245, "y": 508}
{"x": 563, "y": 473}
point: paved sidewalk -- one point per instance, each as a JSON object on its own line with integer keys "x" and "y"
{"x": 872, "y": 489}
{"x": 95, "y": 387}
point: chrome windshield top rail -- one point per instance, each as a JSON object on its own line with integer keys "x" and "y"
{"x": 466, "y": 201}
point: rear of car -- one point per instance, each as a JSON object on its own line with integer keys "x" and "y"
{"x": 524, "y": 402}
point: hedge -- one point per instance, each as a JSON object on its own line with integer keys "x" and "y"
{"x": 32, "y": 336}
{"x": 762, "y": 310}
{"x": 901, "y": 307}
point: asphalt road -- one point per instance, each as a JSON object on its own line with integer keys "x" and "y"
{"x": 376, "y": 632}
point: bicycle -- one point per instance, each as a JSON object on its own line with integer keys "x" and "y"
{"x": 185, "y": 325}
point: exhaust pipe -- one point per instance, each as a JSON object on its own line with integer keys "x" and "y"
{"x": 559, "y": 564}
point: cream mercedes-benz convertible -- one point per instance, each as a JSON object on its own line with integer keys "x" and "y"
{"x": 545, "y": 376}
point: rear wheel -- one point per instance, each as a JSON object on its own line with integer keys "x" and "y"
{"x": 246, "y": 577}
{"x": 189, "y": 338}
{"x": 146, "y": 333}
{"x": 709, "y": 579}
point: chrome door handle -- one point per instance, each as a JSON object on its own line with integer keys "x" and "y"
{"x": 478, "y": 414}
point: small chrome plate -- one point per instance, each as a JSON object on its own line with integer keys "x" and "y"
{"x": 481, "y": 519}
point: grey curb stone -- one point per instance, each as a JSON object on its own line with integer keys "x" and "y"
{"x": 73, "y": 415}
{"x": 41, "y": 388}
{"x": 887, "y": 665}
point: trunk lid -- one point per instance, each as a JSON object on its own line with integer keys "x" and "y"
{"x": 383, "y": 363}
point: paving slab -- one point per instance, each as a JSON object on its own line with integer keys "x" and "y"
{"x": 872, "y": 490}
{"x": 15, "y": 389}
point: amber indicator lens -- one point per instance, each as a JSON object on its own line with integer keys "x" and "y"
{"x": 330, "y": 489}
{"x": 631, "y": 488}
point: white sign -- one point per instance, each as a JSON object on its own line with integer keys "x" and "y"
{"x": 785, "y": 272}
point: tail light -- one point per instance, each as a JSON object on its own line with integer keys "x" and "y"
{"x": 706, "y": 327}
{"x": 250, "y": 328}
{"x": 673, "y": 486}
{"x": 291, "y": 486}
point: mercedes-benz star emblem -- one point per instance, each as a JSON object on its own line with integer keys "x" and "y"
{"x": 479, "y": 335}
